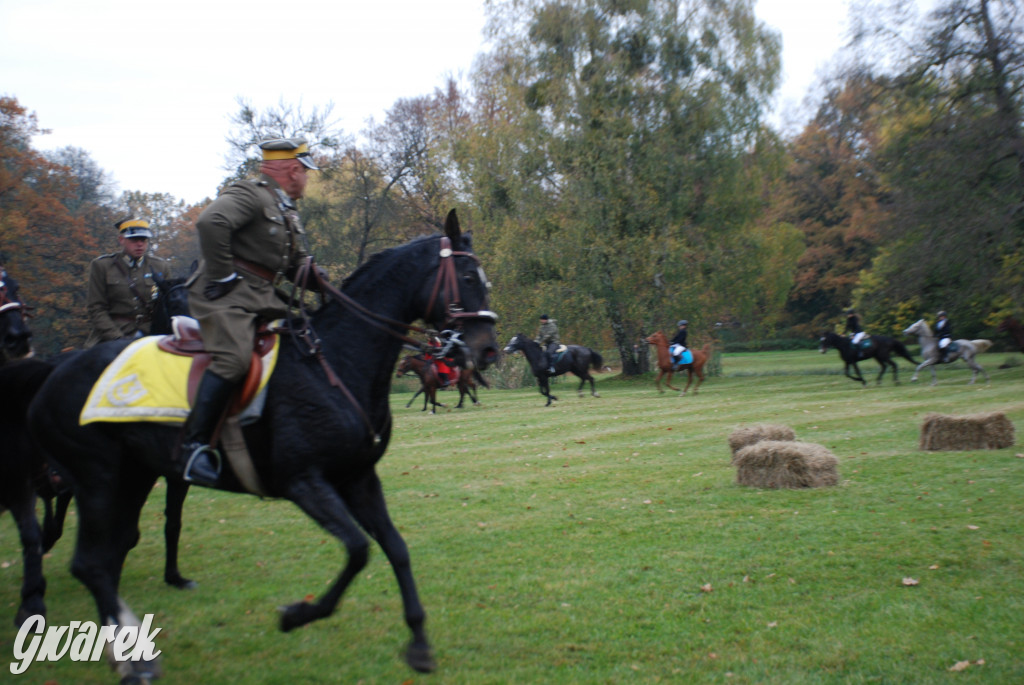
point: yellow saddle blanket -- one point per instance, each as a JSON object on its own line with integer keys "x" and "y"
{"x": 145, "y": 383}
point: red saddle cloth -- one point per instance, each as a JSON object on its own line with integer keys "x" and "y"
{"x": 188, "y": 342}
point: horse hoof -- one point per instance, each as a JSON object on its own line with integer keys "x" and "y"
{"x": 23, "y": 614}
{"x": 296, "y": 615}
{"x": 183, "y": 584}
{"x": 420, "y": 659}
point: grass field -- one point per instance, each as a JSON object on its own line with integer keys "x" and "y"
{"x": 604, "y": 540}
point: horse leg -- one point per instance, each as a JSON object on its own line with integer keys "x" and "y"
{"x": 174, "y": 503}
{"x": 884, "y": 365}
{"x": 700, "y": 379}
{"x": 976, "y": 368}
{"x": 926, "y": 363}
{"x": 366, "y": 501}
{"x": 418, "y": 392}
{"x": 689, "y": 379}
{"x": 668, "y": 380}
{"x": 108, "y": 527}
{"x": 326, "y": 506}
{"x": 657, "y": 381}
{"x": 33, "y": 584}
{"x": 53, "y": 523}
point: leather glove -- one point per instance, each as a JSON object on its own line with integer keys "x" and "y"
{"x": 215, "y": 290}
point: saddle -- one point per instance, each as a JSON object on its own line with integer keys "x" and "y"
{"x": 186, "y": 341}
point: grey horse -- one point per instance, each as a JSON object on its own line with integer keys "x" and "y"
{"x": 966, "y": 350}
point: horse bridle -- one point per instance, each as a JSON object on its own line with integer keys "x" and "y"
{"x": 8, "y": 305}
{"x": 446, "y": 282}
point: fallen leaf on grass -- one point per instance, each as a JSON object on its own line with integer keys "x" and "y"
{"x": 960, "y": 666}
{"x": 705, "y": 588}
{"x": 908, "y": 581}
{"x": 972, "y": 527}
{"x": 933, "y": 567}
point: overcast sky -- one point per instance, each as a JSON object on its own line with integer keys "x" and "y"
{"x": 148, "y": 87}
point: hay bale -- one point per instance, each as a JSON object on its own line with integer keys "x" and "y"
{"x": 748, "y": 435}
{"x": 785, "y": 464}
{"x": 988, "y": 431}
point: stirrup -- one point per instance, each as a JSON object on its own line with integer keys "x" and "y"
{"x": 201, "y": 478}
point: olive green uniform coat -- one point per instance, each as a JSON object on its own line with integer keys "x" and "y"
{"x": 548, "y": 334}
{"x": 254, "y": 221}
{"x": 115, "y": 312}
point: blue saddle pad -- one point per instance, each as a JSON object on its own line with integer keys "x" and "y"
{"x": 687, "y": 358}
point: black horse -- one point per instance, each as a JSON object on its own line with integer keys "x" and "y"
{"x": 15, "y": 335}
{"x": 325, "y": 424}
{"x": 24, "y": 475}
{"x": 171, "y": 300}
{"x": 576, "y": 359}
{"x": 881, "y": 350}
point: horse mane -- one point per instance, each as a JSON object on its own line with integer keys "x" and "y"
{"x": 377, "y": 260}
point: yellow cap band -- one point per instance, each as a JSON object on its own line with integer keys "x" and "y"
{"x": 134, "y": 223}
{"x": 285, "y": 154}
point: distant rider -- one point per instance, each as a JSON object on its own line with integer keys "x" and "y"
{"x": 547, "y": 338}
{"x": 944, "y": 334}
{"x": 853, "y": 327}
{"x": 678, "y": 344}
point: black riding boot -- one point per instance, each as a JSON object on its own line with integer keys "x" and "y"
{"x": 199, "y": 461}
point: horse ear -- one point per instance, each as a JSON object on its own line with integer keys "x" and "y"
{"x": 452, "y": 228}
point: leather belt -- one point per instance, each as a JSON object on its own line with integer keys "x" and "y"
{"x": 258, "y": 270}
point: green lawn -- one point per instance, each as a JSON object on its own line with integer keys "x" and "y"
{"x": 604, "y": 540}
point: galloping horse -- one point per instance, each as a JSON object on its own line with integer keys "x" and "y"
{"x": 881, "y": 350}
{"x": 666, "y": 367}
{"x": 325, "y": 424}
{"x": 966, "y": 350}
{"x": 24, "y": 475}
{"x": 577, "y": 359}
{"x": 430, "y": 382}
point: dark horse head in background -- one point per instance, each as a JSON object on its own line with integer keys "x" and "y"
{"x": 15, "y": 336}
{"x": 326, "y": 423}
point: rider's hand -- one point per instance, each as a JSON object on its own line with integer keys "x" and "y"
{"x": 215, "y": 290}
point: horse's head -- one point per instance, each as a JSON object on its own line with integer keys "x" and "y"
{"x": 459, "y": 297}
{"x": 919, "y": 327}
{"x": 15, "y": 336}
{"x": 404, "y": 367}
{"x": 171, "y": 300}
{"x": 823, "y": 343}
{"x": 656, "y": 338}
{"x": 516, "y": 344}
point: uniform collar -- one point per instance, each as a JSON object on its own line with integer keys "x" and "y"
{"x": 132, "y": 263}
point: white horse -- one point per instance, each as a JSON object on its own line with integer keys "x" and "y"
{"x": 966, "y": 350}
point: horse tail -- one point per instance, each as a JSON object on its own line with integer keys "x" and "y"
{"x": 981, "y": 345}
{"x": 902, "y": 351}
{"x": 596, "y": 360}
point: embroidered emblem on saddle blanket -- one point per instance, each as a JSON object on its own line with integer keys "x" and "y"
{"x": 146, "y": 383}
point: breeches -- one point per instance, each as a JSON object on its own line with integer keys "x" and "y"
{"x": 228, "y": 325}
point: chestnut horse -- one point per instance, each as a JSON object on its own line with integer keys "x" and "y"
{"x": 430, "y": 382}
{"x": 666, "y": 366}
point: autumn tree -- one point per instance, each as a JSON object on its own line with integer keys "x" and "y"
{"x": 951, "y": 153}
{"x": 44, "y": 244}
{"x": 621, "y": 152}
{"x": 832, "y": 193}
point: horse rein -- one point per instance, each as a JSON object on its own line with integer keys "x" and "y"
{"x": 9, "y": 305}
{"x": 309, "y": 278}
